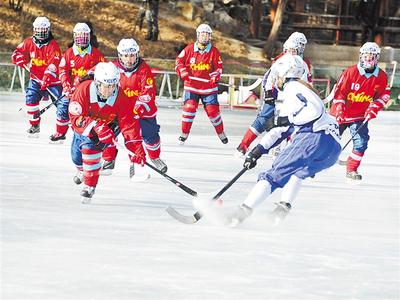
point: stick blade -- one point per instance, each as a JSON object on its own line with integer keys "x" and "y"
{"x": 182, "y": 218}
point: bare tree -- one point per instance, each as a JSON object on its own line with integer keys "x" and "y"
{"x": 255, "y": 18}
{"x": 273, "y": 35}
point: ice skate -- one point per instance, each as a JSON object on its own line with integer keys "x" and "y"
{"x": 107, "y": 167}
{"x": 138, "y": 173}
{"x": 223, "y": 138}
{"x": 239, "y": 215}
{"x": 33, "y": 131}
{"x": 183, "y": 137}
{"x": 78, "y": 178}
{"x": 57, "y": 138}
{"x": 280, "y": 212}
{"x": 353, "y": 177}
{"x": 160, "y": 164}
{"x": 241, "y": 152}
{"x": 87, "y": 194}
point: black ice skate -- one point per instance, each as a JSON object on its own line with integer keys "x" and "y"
{"x": 280, "y": 212}
{"x": 159, "y": 164}
{"x": 87, "y": 194}
{"x": 107, "y": 167}
{"x": 239, "y": 215}
{"x": 223, "y": 138}
{"x": 57, "y": 138}
{"x": 182, "y": 139}
{"x": 33, "y": 131}
{"x": 78, "y": 178}
{"x": 353, "y": 176}
{"x": 241, "y": 152}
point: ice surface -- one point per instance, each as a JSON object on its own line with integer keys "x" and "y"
{"x": 339, "y": 241}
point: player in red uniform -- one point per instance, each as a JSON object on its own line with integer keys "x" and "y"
{"x": 75, "y": 64}
{"x": 137, "y": 82}
{"x": 40, "y": 54}
{"x": 99, "y": 109}
{"x": 361, "y": 92}
{"x": 200, "y": 59}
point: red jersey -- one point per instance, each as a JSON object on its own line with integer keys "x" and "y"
{"x": 85, "y": 111}
{"x": 77, "y": 63}
{"x": 42, "y": 60}
{"x": 199, "y": 63}
{"x": 140, "y": 87}
{"x": 357, "y": 91}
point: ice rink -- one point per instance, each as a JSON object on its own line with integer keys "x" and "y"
{"x": 340, "y": 241}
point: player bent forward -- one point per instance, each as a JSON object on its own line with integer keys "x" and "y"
{"x": 95, "y": 109}
{"x": 315, "y": 139}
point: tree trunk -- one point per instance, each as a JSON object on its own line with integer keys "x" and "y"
{"x": 273, "y": 35}
{"x": 255, "y": 19}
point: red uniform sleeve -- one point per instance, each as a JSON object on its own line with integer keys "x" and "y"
{"x": 145, "y": 105}
{"x": 78, "y": 110}
{"x": 180, "y": 62}
{"x": 53, "y": 60}
{"x": 20, "y": 56}
{"x": 65, "y": 69}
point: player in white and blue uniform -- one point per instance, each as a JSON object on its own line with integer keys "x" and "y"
{"x": 315, "y": 139}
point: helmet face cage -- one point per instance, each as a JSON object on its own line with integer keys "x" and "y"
{"x": 369, "y": 55}
{"x": 82, "y": 39}
{"x": 128, "y": 53}
{"x": 106, "y": 78}
{"x": 41, "y": 33}
{"x": 204, "y": 34}
{"x": 41, "y": 28}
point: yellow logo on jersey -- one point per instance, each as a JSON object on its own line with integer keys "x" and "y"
{"x": 38, "y": 62}
{"x": 78, "y": 72}
{"x": 200, "y": 66}
{"x": 149, "y": 81}
{"x": 361, "y": 97}
{"x": 131, "y": 93}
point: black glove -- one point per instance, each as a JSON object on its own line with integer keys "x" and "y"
{"x": 269, "y": 98}
{"x": 251, "y": 159}
{"x": 282, "y": 122}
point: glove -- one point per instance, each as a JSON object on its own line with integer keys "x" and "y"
{"x": 269, "y": 97}
{"x": 184, "y": 75}
{"x": 282, "y": 122}
{"x": 140, "y": 155}
{"x": 372, "y": 110}
{"x": 104, "y": 133}
{"x": 68, "y": 90}
{"x": 340, "y": 118}
{"x": 139, "y": 110}
{"x": 251, "y": 159}
{"x": 215, "y": 77}
{"x": 20, "y": 61}
{"x": 45, "y": 83}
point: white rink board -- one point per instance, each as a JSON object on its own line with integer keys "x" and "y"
{"x": 340, "y": 241}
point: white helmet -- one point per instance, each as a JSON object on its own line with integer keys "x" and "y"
{"x": 287, "y": 66}
{"x": 41, "y": 28}
{"x": 128, "y": 46}
{"x": 369, "y": 55}
{"x": 204, "y": 28}
{"x": 291, "y": 44}
{"x": 125, "y": 48}
{"x": 300, "y": 39}
{"x": 106, "y": 73}
{"x": 81, "y": 35}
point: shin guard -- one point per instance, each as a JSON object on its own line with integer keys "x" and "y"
{"x": 214, "y": 115}
{"x": 188, "y": 113}
{"x": 91, "y": 166}
{"x": 354, "y": 161}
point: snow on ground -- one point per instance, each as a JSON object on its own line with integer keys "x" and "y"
{"x": 340, "y": 241}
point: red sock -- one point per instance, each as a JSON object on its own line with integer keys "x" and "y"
{"x": 354, "y": 161}
{"x": 188, "y": 113}
{"x": 214, "y": 115}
